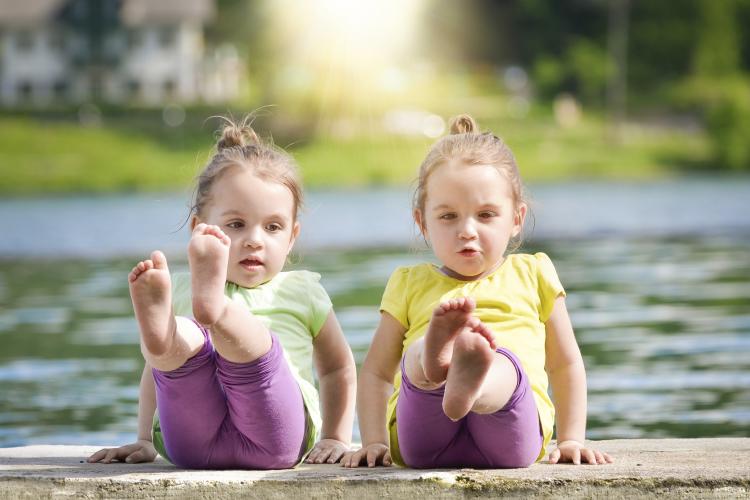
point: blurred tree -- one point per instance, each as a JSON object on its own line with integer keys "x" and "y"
{"x": 661, "y": 39}
{"x": 469, "y": 33}
{"x": 717, "y": 52}
{"x": 245, "y": 25}
{"x": 617, "y": 47}
{"x": 718, "y": 84}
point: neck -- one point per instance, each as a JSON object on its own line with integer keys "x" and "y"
{"x": 453, "y": 274}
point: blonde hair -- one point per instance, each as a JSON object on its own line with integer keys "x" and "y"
{"x": 467, "y": 145}
{"x": 239, "y": 146}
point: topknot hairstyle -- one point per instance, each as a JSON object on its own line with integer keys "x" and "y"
{"x": 237, "y": 134}
{"x": 240, "y": 147}
{"x": 467, "y": 145}
{"x": 463, "y": 124}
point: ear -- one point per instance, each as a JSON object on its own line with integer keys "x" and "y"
{"x": 194, "y": 221}
{"x": 293, "y": 238}
{"x": 518, "y": 218}
{"x": 420, "y": 222}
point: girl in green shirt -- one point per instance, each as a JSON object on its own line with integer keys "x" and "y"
{"x": 229, "y": 348}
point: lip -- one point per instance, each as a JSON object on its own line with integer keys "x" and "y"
{"x": 469, "y": 252}
{"x": 251, "y": 263}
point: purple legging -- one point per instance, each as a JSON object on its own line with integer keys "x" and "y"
{"x": 216, "y": 414}
{"x": 427, "y": 438}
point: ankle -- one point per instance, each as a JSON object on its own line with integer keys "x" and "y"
{"x": 211, "y": 317}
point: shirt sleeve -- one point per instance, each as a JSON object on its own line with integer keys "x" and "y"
{"x": 548, "y": 284}
{"x": 182, "y": 295}
{"x": 320, "y": 303}
{"x": 394, "y": 296}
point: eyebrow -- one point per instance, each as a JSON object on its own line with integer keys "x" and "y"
{"x": 240, "y": 214}
{"x": 443, "y": 206}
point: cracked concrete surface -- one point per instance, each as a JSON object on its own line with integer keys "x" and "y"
{"x": 684, "y": 468}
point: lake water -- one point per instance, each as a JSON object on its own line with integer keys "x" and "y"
{"x": 658, "y": 277}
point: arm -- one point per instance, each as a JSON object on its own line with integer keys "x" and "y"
{"x": 337, "y": 376}
{"x": 567, "y": 375}
{"x": 146, "y": 404}
{"x": 375, "y": 387}
{"x": 143, "y": 449}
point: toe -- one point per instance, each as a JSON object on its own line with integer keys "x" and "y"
{"x": 159, "y": 260}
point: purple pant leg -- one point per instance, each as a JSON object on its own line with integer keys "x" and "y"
{"x": 266, "y": 408}
{"x": 219, "y": 414}
{"x": 510, "y": 437}
{"x": 425, "y": 434}
{"x": 520, "y": 440}
{"x": 192, "y": 408}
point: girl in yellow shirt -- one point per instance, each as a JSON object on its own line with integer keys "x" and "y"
{"x": 459, "y": 367}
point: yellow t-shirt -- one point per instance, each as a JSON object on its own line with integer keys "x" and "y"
{"x": 514, "y": 301}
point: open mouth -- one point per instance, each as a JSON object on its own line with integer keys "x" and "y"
{"x": 251, "y": 263}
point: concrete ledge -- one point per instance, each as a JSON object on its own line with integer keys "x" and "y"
{"x": 684, "y": 468}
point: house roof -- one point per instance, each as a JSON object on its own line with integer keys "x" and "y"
{"x": 139, "y": 12}
{"x": 133, "y": 12}
{"x": 27, "y": 12}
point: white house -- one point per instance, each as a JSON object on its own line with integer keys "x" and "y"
{"x": 119, "y": 51}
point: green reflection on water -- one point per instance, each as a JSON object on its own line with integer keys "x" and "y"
{"x": 70, "y": 361}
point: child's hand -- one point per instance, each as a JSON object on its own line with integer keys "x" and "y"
{"x": 141, "y": 451}
{"x": 374, "y": 454}
{"x": 573, "y": 451}
{"x": 327, "y": 451}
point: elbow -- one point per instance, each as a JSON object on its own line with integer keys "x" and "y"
{"x": 572, "y": 367}
{"x": 346, "y": 375}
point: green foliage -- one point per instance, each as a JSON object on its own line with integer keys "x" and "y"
{"x": 725, "y": 106}
{"x": 549, "y": 75}
{"x": 46, "y": 156}
{"x": 582, "y": 70}
{"x": 717, "y": 52}
{"x": 590, "y": 68}
{"x": 728, "y": 123}
{"x": 718, "y": 88}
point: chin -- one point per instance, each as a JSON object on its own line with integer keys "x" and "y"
{"x": 466, "y": 273}
{"x": 246, "y": 282}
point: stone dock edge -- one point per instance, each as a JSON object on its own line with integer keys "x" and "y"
{"x": 671, "y": 468}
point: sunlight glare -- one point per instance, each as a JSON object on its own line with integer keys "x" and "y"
{"x": 343, "y": 37}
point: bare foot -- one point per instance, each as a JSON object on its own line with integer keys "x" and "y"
{"x": 151, "y": 293}
{"x": 472, "y": 359}
{"x": 208, "y": 255}
{"x": 448, "y": 319}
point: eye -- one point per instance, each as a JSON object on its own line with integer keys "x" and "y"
{"x": 447, "y": 216}
{"x": 487, "y": 214}
{"x": 236, "y": 224}
{"x": 274, "y": 227}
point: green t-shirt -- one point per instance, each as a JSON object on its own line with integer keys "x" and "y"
{"x": 294, "y": 306}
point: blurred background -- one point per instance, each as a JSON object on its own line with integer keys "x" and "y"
{"x": 630, "y": 120}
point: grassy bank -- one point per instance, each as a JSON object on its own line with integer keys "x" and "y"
{"x": 39, "y": 155}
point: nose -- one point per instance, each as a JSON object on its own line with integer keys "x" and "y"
{"x": 467, "y": 230}
{"x": 252, "y": 238}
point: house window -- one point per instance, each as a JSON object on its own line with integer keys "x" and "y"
{"x": 60, "y": 89}
{"x": 167, "y": 37}
{"x": 134, "y": 88}
{"x": 24, "y": 41}
{"x": 25, "y": 90}
{"x": 56, "y": 41}
{"x": 133, "y": 39}
{"x": 169, "y": 87}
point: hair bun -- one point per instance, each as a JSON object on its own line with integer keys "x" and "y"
{"x": 237, "y": 135}
{"x": 463, "y": 124}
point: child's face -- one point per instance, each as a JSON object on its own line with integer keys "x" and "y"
{"x": 469, "y": 218}
{"x": 257, "y": 215}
